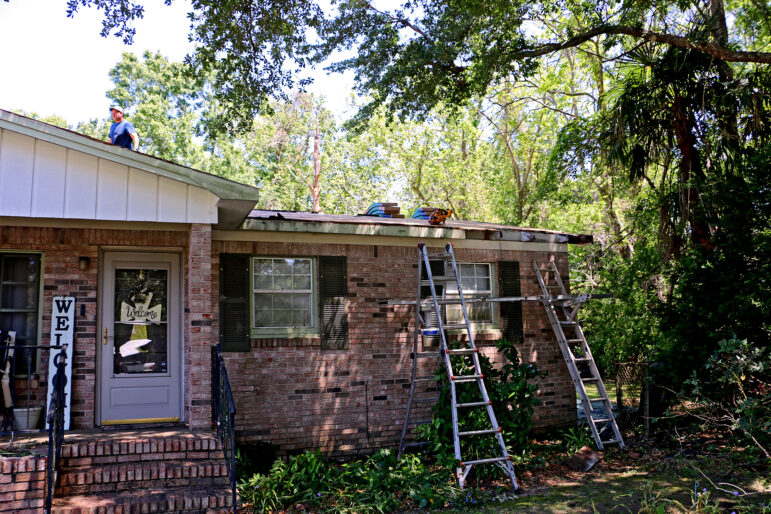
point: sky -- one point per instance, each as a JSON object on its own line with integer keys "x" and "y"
{"x": 52, "y": 64}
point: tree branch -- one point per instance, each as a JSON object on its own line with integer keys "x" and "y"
{"x": 709, "y": 48}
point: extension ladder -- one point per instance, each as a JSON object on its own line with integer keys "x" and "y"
{"x": 436, "y": 325}
{"x": 561, "y": 308}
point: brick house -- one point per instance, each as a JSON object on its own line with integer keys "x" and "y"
{"x": 165, "y": 261}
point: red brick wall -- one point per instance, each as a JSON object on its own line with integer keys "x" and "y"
{"x": 61, "y": 249}
{"x": 291, "y": 393}
{"x": 22, "y": 484}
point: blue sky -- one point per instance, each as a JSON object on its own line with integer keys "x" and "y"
{"x": 52, "y": 64}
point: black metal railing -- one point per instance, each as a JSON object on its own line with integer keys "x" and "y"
{"x": 223, "y": 414}
{"x": 16, "y": 403}
{"x": 55, "y": 419}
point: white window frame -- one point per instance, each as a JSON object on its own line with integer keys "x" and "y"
{"x": 472, "y": 293}
{"x": 311, "y": 330}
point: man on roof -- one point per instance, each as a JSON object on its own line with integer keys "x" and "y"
{"x": 122, "y": 132}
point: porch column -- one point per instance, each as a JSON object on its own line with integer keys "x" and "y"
{"x": 199, "y": 336}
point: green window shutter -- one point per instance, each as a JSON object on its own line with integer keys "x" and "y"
{"x": 333, "y": 292}
{"x": 234, "y": 302}
{"x": 511, "y": 312}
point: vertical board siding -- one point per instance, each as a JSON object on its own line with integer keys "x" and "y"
{"x": 111, "y": 191}
{"x": 16, "y": 168}
{"x": 46, "y": 180}
{"x": 201, "y": 206}
{"x": 142, "y": 196}
{"x": 172, "y": 200}
{"x": 50, "y": 173}
{"x": 80, "y": 194}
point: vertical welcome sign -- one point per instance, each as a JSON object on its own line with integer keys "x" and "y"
{"x": 62, "y": 331}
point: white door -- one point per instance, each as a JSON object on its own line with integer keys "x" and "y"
{"x": 140, "y": 379}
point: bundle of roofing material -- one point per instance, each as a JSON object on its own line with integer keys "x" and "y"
{"x": 423, "y": 213}
{"x": 384, "y": 210}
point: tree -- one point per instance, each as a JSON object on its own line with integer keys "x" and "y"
{"x": 421, "y": 54}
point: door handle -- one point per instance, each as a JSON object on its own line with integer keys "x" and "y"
{"x": 104, "y": 336}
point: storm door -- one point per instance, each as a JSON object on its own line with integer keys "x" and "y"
{"x": 140, "y": 339}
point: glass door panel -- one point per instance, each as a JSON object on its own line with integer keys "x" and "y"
{"x": 140, "y": 327}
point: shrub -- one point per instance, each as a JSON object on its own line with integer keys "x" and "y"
{"x": 512, "y": 395}
{"x": 380, "y": 483}
{"x": 734, "y": 392}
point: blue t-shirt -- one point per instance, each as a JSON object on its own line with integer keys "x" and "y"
{"x": 120, "y": 134}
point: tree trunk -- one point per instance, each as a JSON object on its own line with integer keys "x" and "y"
{"x": 315, "y": 187}
{"x": 690, "y": 170}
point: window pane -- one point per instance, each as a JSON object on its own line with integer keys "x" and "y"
{"x": 282, "y": 301}
{"x": 263, "y": 318}
{"x": 301, "y": 318}
{"x": 282, "y": 283}
{"x": 263, "y": 282}
{"x": 303, "y": 266}
{"x": 282, "y": 266}
{"x": 301, "y": 301}
{"x": 263, "y": 301}
{"x": 302, "y": 282}
{"x": 282, "y": 309}
{"x": 20, "y": 268}
{"x": 282, "y": 318}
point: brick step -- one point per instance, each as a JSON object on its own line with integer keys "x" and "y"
{"x": 211, "y": 500}
{"x": 110, "y": 450}
{"x": 141, "y": 475}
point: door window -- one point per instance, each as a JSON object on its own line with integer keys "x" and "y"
{"x": 141, "y": 322}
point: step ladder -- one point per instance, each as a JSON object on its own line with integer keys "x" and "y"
{"x": 430, "y": 320}
{"x": 561, "y": 308}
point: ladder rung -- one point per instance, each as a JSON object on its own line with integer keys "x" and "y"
{"x": 474, "y": 404}
{"x": 610, "y": 441}
{"x": 450, "y": 326}
{"x": 603, "y": 420}
{"x": 479, "y": 432}
{"x": 482, "y": 461}
{"x": 426, "y": 378}
{"x": 466, "y": 378}
{"x": 458, "y": 351}
{"x": 568, "y": 323}
{"x": 574, "y": 341}
{"x": 582, "y": 359}
{"x": 590, "y": 379}
{"x": 438, "y": 278}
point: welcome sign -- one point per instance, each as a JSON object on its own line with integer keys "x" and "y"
{"x": 62, "y": 332}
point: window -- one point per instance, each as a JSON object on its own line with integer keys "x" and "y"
{"x": 282, "y": 294}
{"x": 475, "y": 281}
{"x": 19, "y": 304}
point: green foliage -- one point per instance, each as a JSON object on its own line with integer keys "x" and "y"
{"x": 734, "y": 391}
{"x": 512, "y": 394}
{"x": 576, "y": 438}
{"x": 379, "y": 483}
{"x": 722, "y": 292}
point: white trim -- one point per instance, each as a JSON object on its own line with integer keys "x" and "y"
{"x": 348, "y": 239}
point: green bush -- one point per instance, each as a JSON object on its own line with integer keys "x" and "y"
{"x": 380, "y": 483}
{"x": 734, "y": 393}
{"x": 512, "y": 395}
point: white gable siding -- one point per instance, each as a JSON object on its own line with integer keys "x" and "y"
{"x": 45, "y": 180}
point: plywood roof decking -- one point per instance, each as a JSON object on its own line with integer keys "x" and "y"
{"x": 306, "y": 221}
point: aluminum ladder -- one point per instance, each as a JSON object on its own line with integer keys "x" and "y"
{"x": 561, "y": 308}
{"x": 423, "y": 326}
